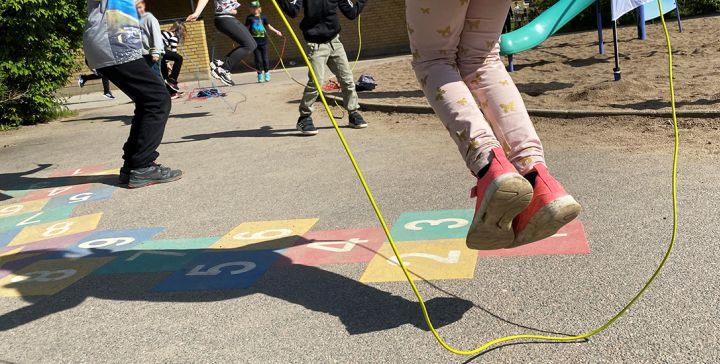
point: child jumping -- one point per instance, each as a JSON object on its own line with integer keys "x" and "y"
{"x": 258, "y": 24}
{"x": 82, "y": 79}
{"x": 227, "y": 24}
{"x": 456, "y": 58}
{"x": 171, "y": 39}
{"x": 321, "y": 29}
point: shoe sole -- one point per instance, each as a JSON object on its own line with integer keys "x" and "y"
{"x": 549, "y": 220}
{"x": 156, "y": 182}
{"x": 306, "y": 132}
{"x": 361, "y": 126}
{"x": 172, "y": 87}
{"x": 216, "y": 75}
{"x": 504, "y": 199}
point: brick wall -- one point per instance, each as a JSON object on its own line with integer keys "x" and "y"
{"x": 383, "y": 29}
{"x": 195, "y": 66}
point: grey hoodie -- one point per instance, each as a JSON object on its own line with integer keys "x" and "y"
{"x": 152, "y": 36}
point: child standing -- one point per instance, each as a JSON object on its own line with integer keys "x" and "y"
{"x": 171, "y": 39}
{"x": 227, "y": 24}
{"x": 456, "y": 58}
{"x": 258, "y": 24}
{"x": 153, "y": 47}
{"x": 112, "y": 42}
{"x": 321, "y": 29}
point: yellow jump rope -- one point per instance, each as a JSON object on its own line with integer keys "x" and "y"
{"x": 402, "y": 264}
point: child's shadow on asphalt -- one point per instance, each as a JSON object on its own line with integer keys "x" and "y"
{"x": 360, "y": 307}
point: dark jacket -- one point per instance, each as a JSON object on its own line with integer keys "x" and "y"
{"x": 320, "y": 23}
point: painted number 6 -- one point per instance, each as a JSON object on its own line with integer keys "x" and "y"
{"x": 264, "y": 235}
{"x": 455, "y": 223}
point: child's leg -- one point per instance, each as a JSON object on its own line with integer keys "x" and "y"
{"x": 232, "y": 27}
{"x": 106, "y": 85}
{"x": 484, "y": 73}
{"x": 318, "y": 55}
{"x": 434, "y": 28}
{"x": 340, "y": 66}
{"x": 265, "y": 59}
{"x": 258, "y": 59}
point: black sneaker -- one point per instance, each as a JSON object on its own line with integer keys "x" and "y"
{"x": 81, "y": 81}
{"x": 217, "y": 71}
{"x": 305, "y": 125}
{"x": 172, "y": 84}
{"x": 152, "y": 175}
{"x": 124, "y": 177}
{"x": 357, "y": 121}
{"x": 109, "y": 96}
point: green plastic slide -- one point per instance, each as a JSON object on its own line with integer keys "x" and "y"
{"x": 542, "y": 27}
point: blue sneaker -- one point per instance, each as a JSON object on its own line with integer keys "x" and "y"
{"x": 261, "y": 78}
{"x": 267, "y": 76}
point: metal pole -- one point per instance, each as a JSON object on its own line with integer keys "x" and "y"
{"x": 677, "y": 12}
{"x": 511, "y": 66}
{"x": 641, "y": 22}
{"x": 598, "y": 14}
{"x": 192, "y": 5}
{"x": 616, "y": 70}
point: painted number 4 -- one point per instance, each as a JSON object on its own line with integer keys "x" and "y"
{"x": 216, "y": 270}
{"x": 453, "y": 257}
{"x": 453, "y": 223}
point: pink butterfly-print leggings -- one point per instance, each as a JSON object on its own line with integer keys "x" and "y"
{"x": 456, "y": 58}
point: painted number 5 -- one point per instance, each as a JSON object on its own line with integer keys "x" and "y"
{"x": 454, "y": 223}
{"x": 453, "y": 257}
{"x": 216, "y": 270}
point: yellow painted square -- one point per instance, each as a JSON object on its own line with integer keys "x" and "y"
{"x": 22, "y": 208}
{"x": 426, "y": 260}
{"x": 106, "y": 172}
{"x": 265, "y": 235}
{"x": 47, "y": 277}
{"x": 57, "y": 229}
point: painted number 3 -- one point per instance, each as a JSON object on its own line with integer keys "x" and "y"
{"x": 453, "y": 223}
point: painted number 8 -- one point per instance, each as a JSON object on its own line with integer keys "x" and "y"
{"x": 455, "y": 223}
{"x": 58, "y": 229}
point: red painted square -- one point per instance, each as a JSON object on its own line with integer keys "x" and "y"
{"x": 570, "y": 239}
{"x": 334, "y": 247}
{"x": 85, "y": 170}
{"x": 51, "y": 192}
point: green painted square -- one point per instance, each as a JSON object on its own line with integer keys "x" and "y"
{"x": 432, "y": 225}
{"x": 158, "y": 256}
{"x": 33, "y": 218}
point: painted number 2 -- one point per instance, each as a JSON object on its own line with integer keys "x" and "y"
{"x": 453, "y": 257}
{"x": 453, "y": 223}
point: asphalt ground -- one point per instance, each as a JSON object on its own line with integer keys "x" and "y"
{"x": 244, "y": 162}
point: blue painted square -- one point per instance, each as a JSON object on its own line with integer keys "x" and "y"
{"x": 432, "y": 225}
{"x": 96, "y": 194}
{"x": 7, "y": 236}
{"x": 218, "y": 271}
{"x": 34, "y": 218}
{"x": 107, "y": 242}
{"x": 157, "y": 256}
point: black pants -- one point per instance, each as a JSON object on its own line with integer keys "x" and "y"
{"x": 152, "y": 108}
{"x": 95, "y": 76}
{"x": 177, "y": 61}
{"x": 239, "y": 33}
{"x": 261, "y": 57}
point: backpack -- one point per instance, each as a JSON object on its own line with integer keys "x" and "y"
{"x": 365, "y": 83}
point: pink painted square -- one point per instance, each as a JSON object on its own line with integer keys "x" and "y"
{"x": 334, "y": 247}
{"x": 571, "y": 239}
{"x": 57, "y": 191}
